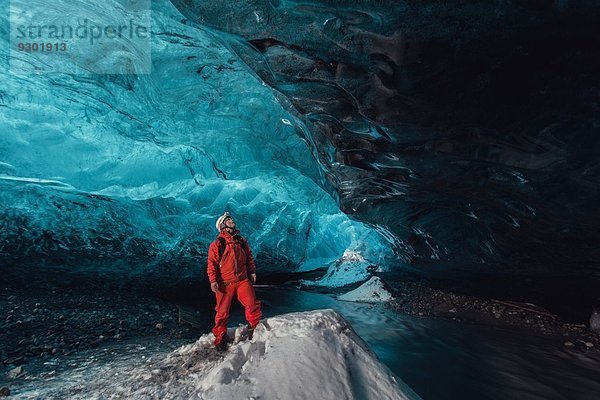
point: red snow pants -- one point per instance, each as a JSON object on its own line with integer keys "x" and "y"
{"x": 244, "y": 292}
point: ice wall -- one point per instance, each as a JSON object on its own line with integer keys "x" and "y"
{"x": 126, "y": 173}
{"x": 465, "y": 133}
{"x": 464, "y": 137}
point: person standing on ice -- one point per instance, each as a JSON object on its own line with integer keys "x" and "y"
{"x": 231, "y": 272}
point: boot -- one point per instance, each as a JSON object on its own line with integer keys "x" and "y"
{"x": 222, "y": 345}
{"x": 250, "y": 331}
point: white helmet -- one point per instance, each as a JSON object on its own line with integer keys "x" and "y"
{"x": 221, "y": 219}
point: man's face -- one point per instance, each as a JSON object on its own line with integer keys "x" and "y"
{"x": 229, "y": 222}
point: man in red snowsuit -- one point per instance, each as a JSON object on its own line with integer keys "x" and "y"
{"x": 231, "y": 272}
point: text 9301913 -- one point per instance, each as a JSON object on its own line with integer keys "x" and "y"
{"x": 41, "y": 46}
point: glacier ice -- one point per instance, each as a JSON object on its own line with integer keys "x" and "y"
{"x": 287, "y": 112}
{"x": 129, "y": 171}
{"x": 424, "y": 116}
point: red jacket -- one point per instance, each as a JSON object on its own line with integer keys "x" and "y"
{"x": 237, "y": 261}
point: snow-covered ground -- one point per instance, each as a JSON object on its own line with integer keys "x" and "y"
{"x": 372, "y": 291}
{"x": 303, "y": 355}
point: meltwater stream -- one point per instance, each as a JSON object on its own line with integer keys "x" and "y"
{"x": 437, "y": 359}
{"x": 447, "y": 360}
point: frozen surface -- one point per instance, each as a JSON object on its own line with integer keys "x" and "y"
{"x": 462, "y": 151}
{"x": 372, "y": 291}
{"x": 336, "y": 134}
{"x": 126, "y": 174}
{"x": 303, "y": 355}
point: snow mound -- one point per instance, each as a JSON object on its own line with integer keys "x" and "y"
{"x": 371, "y": 291}
{"x": 304, "y": 355}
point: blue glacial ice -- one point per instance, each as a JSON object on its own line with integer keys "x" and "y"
{"x": 341, "y": 136}
{"x": 128, "y": 172}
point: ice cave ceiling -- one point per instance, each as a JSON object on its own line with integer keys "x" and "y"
{"x": 454, "y": 136}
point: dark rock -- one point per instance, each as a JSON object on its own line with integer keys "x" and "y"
{"x": 14, "y": 360}
{"x": 4, "y": 392}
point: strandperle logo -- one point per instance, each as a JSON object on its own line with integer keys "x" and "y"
{"x": 84, "y": 30}
{"x": 80, "y": 36}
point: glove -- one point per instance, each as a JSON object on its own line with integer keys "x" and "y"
{"x": 253, "y": 278}
{"x": 214, "y": 287}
